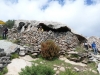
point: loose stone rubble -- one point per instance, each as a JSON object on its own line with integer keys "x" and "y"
{"x": 26, "y": 34}
{"x": 34, "y": 38}
{"x": 4, "y": 59}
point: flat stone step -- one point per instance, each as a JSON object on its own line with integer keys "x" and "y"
{"x": 35, "y": 51}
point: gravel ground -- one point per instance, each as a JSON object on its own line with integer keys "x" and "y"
{"x": 7, "y": 46}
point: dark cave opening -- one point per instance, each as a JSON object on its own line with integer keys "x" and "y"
{"x": 21, "y": 24}
{"x": 49, "y": 27}
{"x": 61, "y": 29}
{"x": 81, "y": 38}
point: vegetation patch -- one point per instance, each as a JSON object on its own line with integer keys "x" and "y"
{"x": 68, "y": 72}
{"x": 14, "y": 55}
{"x": 17, "y": 41}
{"x": 0, "y": 37}
{"x": 37, "y": 70}
{"x": 4, "y": 71}
{"x": 80, "y": 49}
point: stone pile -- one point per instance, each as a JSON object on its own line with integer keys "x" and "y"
{"x": 65, "y": 40}
{"x": 4, "y": 59}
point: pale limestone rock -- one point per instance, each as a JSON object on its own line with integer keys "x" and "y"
{"x": 76, "y": 69}
{"x": 15, "y": 66}
{"x": 55, "y": 69}
{"x": 62, "y": 69}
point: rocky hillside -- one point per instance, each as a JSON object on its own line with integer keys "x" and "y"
{"x": 28, "y": 35}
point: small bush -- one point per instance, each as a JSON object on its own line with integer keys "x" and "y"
{"x": 4, "y": 71}
{"x": 68, "y": 72}
{"x": 37, "y": 70}
{"x": 0, "y": 37}
{"x": 14, "y": 55}
{"x": 49, "y": 50}
{"x": 10, "y": 23}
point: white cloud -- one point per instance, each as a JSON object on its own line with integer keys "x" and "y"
{"x": 82, "y": 18}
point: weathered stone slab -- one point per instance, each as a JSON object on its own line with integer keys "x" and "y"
{"x": 13, "y": 48}
{"x": 8, "y": 46}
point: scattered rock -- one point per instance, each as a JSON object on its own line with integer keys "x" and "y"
{"x": 62, "y": 69}
{"x": 57, "y": 72}
{"x": 34, "y": 54}
{"x": 4, "y": 59}
{"x": 36, "y": 64}
{"x": 98, "y": 68}
{"x": 76, "y": 69}
{"x": 72, "y": 52}
{"x": 55, "y": 68}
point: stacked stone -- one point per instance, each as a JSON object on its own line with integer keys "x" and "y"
{"x": 4, "y": 59}
{"x": 65, "y": 40}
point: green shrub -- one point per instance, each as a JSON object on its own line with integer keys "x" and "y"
{"x": 4, "y": 71}
{"x": 37, "y": 70}
{"x": 9, "y": 23}
{"x": 0, "y": 37}
{"x": 17, "y": 41}
{"x": 49, "y": 50}
{"x": 68, "y": 72}
{"x": 14, "y": 55}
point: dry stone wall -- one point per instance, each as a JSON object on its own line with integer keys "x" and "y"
{"x": 65, "y": 40}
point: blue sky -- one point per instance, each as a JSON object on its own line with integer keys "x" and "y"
{"x": 61, "y": 2}
{"x": 89, "y": 2}
{"x": 83, "y": 16}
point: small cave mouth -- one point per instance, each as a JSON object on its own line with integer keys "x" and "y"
{"x": 50, "y": 28}
{"x": 21, "y": 24}
{"x": 81, "y": 38}
{"x": 61, "y": 29}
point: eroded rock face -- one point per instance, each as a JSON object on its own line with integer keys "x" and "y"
{"x": 25, "y": 25}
